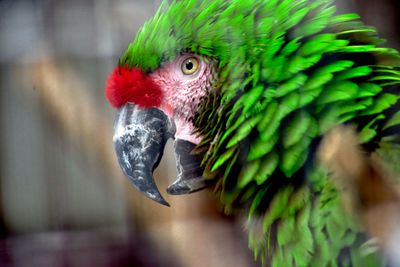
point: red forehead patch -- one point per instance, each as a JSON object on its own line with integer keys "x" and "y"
{"x": 132, "y": 85}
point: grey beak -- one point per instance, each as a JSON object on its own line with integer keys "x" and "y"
{"x": 189, "y": 170}
{"x": 140, "y": 136}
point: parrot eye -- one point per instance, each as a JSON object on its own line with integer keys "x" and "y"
{"x": 190, "y": 66}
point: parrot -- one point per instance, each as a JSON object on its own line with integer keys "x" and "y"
{"x": 249, "y": 91}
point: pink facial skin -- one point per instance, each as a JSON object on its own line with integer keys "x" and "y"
{"x": 183, "y": 93}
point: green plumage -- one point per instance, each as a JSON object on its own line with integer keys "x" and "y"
{"x": 288, "y": 71}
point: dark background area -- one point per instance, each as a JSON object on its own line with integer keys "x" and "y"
{"x": 63, "y": 198}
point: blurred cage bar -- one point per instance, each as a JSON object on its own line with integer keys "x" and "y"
{"x": 63, "y": 198}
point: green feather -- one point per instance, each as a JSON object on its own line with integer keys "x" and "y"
{"x": 344, "y": 18}
{"x": 308, "y": 96}
{"x": 247, "y": 173}
{"x": 316, "y": 24}
{"x": 317, "y": 44}
{"x": 382, "y": 102}
{"x": 294, "y": 156}
{"x": 393, "y": 121}
{"x": 256, "y": 201}
{"x": 268, "y": 116}
{"x": 292, "y": 84}
{"x": 353, "y": 72}
{"x": 299, "y": 63}
{"x": 334, "y": 67}
{"x": 317, "y": 80}
{"x": 251, "y": 97}
{"x": 368, "y": 90}
{"x": 243, "y": 131}
{"x": 259, "y": 147}
{"x": 369, "y": 131}
{"x": 277, "y": 207}
{"x": 268, "y": 166}
{"x": 285, "y": 231}
{"x": 297, "y": 127}
{"x": 385, "y": 77}
{"x": 288, "y": 104}
{"x": 223, "y": 158}
{"x": 298, "y": 16}
{"x": 291, "y": 47}
{"x": 343, "y": 90}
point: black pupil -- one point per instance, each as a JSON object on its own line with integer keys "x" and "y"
{"x": 189, "y": 65}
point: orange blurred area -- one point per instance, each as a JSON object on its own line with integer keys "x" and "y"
{"x": 63, "y": 198}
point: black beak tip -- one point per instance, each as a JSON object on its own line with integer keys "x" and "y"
{"x": 158, "y": 198}
{"x": 143, "y": 181}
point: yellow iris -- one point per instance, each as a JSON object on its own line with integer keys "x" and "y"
{"x": 190, "y": 65}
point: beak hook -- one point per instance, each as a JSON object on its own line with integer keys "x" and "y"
{"x": 139, "y": 137}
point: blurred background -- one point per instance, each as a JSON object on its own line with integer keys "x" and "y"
{"x": 63, "y": 198}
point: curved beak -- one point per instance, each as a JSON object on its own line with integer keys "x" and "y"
{"x": 189, "y": 170}
{"x": 139, "y": 137}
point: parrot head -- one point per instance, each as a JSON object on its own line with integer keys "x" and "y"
{"x": 159, "y": 89}
{"x": 153, "y": 107}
